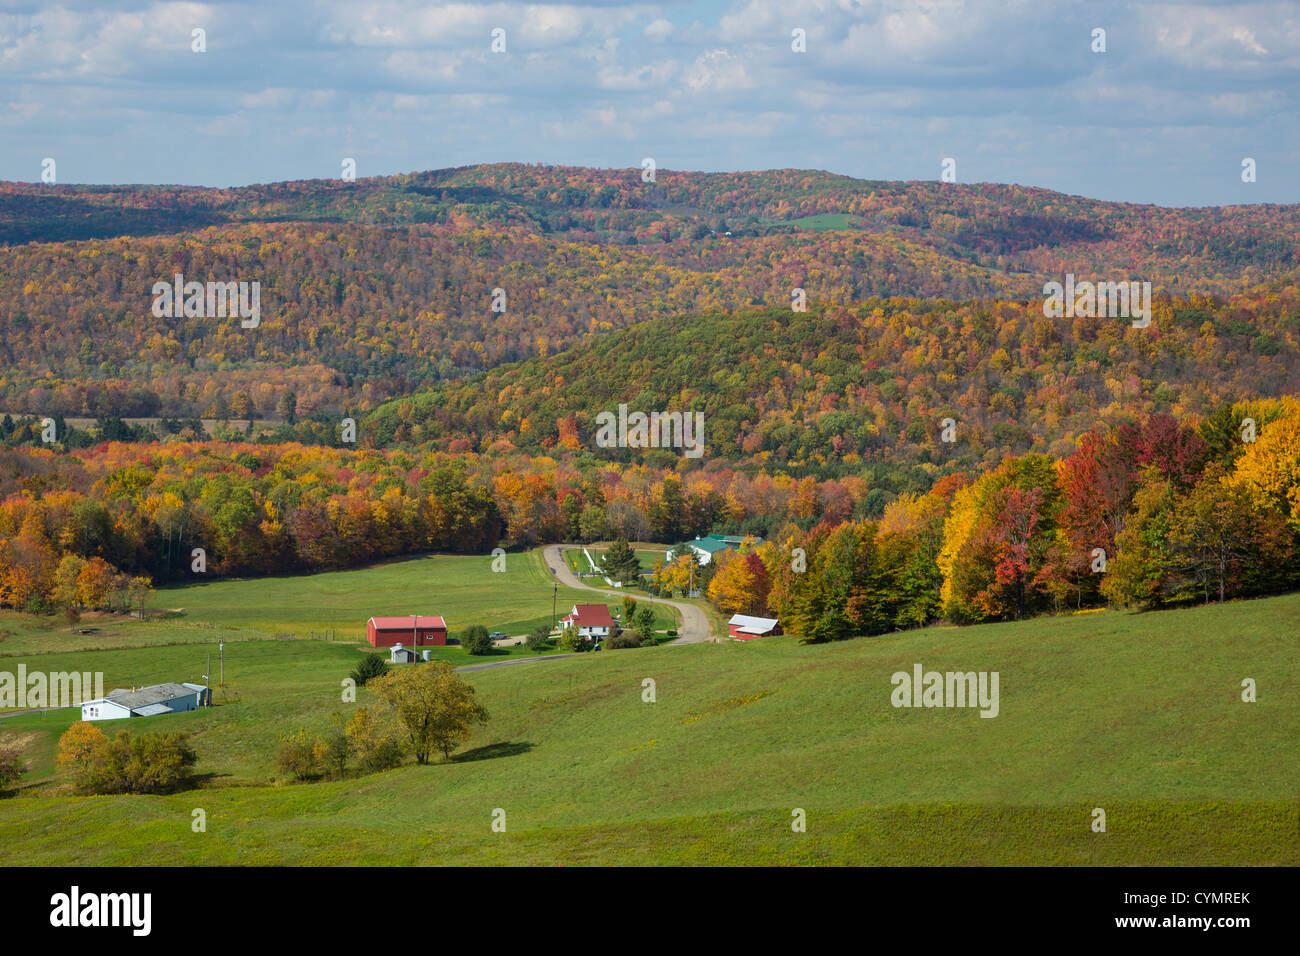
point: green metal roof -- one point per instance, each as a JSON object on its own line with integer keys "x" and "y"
{"x": 709, "y": 544}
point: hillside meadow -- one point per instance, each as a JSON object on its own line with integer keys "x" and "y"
{"x": 1139, "y": 714}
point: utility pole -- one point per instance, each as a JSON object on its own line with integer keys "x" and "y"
{"x": 207, "y": 677}
{"x": 555, "y": 595}
{"x": 221, "y": 649}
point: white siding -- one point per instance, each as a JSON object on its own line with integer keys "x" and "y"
{"x": 103, "y": 709}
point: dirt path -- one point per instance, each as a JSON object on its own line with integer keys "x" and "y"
{"x": 695, "y": 623}
{"x": 513, "y": 660}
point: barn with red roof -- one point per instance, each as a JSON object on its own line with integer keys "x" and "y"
{"x": 416, "y": 630}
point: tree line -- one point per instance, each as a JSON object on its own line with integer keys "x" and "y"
{"x": 1150, "y": 514}
{"x": 93, "y": 528}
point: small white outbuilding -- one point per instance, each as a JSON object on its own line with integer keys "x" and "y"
{"x": 401, "y": 655}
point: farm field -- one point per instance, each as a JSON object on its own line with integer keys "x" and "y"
{"x": 819, "y": 223}
{"x": 463, "y": 589}
{"x": 1139, "y": 714}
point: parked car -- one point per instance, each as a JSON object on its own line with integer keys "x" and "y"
{"x": 498, "y": 635}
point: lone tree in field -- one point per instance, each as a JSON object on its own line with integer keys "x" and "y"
{"x": 475, "y": 640}
{"x": 436, "y": 707}
{"x": 645, "y": 624}
{"x": 140, "y": 591}
{"x": 539, "y": 638}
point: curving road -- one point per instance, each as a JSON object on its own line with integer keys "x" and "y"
{"x": 695, "y": 623}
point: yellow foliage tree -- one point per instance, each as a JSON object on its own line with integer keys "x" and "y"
{"x": 78, "y": 745}
{"x": 957, "y": 529}
{"x": 1271, "y": 466}
{"x": 435, "y": 706}
{"x": 733, "y": 585}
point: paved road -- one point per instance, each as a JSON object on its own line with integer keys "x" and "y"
{"x": 695, "y": 623}
{"x": 38, "y": 710}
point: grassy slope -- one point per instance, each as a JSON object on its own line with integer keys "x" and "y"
{"x": 1139, "y": 714}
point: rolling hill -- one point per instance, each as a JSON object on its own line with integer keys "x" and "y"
{"x": 1140, "y": 715}
{"x": 374, "y": 288}
{"x": 839, "y": 387}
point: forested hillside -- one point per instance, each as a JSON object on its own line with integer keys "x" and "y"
{"x": 932, "y": 442}
{"x": 982, "y": 221}
{"x": 831, "y": 389}
{"x": 374, "y": 288}
{"x": 1184, "y": 511}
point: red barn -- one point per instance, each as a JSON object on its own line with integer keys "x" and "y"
{"x": 413, "y": 631}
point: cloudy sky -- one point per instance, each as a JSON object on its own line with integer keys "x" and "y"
{"x": 1010, "y": 89}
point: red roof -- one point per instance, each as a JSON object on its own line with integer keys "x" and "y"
{"x": 591, "y": 615}
{"x": 406, "y": 623}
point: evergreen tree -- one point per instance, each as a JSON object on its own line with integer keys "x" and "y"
{"x": 372, "y": 665}
{"x": 620, "y": 563}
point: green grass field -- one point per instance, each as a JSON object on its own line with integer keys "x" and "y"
{"x": 646, "y": 554}
{"x": 821, "y": 222}
{"x": 1140, "y": 715}
{"x": 464, "y": 590}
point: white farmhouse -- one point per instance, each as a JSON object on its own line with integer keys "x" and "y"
{"x": 591, "y": 620}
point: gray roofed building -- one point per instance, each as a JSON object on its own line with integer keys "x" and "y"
{"x": 157, "y": 694}
{"x": 744, "y": 627}
{"x": 147, "y": 701}
{"x": 151, "y": 710}
{"x": 401, "y": 655}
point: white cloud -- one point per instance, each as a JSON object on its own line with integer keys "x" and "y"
{"x": 718, "y": 71}
{"x": 1251, "y": 38}
{"x": 660, "y": 30}
{"x": 893, "y": 77}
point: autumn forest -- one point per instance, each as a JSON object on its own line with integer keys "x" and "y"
{"x": 919, "y": 443}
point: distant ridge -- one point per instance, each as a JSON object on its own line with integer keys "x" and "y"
{"x": 377, "y": 287}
